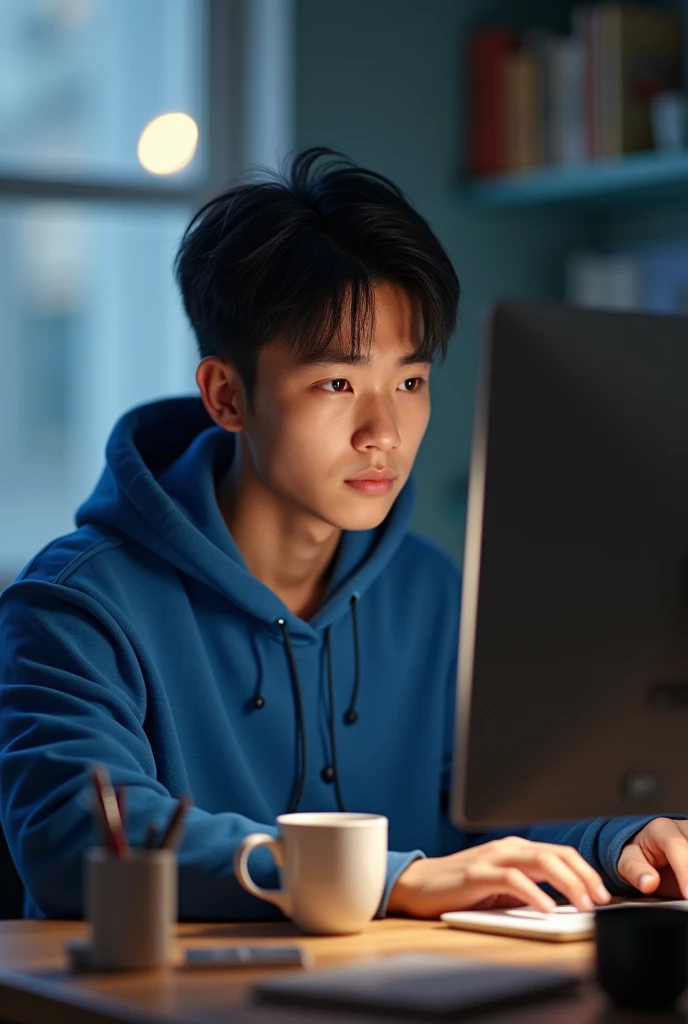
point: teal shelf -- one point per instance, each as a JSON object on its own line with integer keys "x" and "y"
{"x": 648, "y": 175}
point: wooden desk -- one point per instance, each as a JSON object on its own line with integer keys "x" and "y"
{"x": 36, "y": 985}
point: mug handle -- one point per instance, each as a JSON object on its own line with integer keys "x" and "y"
{"x": 280, "y": 897}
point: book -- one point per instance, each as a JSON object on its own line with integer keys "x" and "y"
{"x": 582, "y": 24}
{"x": 585, "y": 283}
{"x": 487, "y": 52}
{"x": 604, "y": 281}
{"x": 566, "y": 86}
{"x": 521, "y": 111}
{"x": 663, "y": 269}
{"x": 536, "y": 42}
{"x": 541, "y": 98}
{"x": 606, "y": 80}
{"x": 641, "y": 56}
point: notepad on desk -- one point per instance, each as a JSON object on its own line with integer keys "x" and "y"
{"x": 415, "y": 984}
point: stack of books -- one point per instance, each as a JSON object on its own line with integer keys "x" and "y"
{"x": 540, "y": 98}
{"x": 647, "y": 276}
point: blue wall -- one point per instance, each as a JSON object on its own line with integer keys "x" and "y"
{"x": 382, "y": 80}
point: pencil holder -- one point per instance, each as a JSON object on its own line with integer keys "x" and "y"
{"x": 131, "y": 904}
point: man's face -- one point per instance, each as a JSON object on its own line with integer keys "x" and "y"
{"x": 316, "y": 428}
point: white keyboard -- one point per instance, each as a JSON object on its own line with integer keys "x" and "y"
{"x": 563, "y": 924}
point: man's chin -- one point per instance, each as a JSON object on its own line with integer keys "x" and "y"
{"x": 367, "y": 517}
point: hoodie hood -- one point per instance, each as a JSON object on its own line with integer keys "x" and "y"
{"x": 163, "y": 462}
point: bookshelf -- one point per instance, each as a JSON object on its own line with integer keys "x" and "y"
{"x": 649, "y": 175}
{"x": 561, "y": 115}
{"x": 539, "y": 202}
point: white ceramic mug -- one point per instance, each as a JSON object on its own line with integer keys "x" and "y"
{"x": 332, "y": 866}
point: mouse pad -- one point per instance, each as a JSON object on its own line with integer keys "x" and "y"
{"x": 415, "y": 983}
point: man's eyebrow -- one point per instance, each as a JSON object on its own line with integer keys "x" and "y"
{"x": 333, "y": 357}
{"x": 414, "y": 359}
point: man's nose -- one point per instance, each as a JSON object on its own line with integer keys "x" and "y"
{"x": 377, "y": 428}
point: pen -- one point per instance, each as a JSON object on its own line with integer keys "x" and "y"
{"x": 121, "y": 796}
{"x": 173, "y": 831}
{"x": 100, "y": 822}
{"x": 150, "y": 842}
{"x": 108, "y": 811}
{"x": 107, "y": 838}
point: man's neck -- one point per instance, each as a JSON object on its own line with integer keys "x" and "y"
{"x": 289, "y": 552}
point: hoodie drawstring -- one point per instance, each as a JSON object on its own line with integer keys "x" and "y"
{"x": 296, "y": 683}
{"x": 350, "y": 715}
{"x": 333, "y": 743}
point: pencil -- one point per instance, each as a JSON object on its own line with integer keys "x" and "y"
{"x": 173, "y": 832}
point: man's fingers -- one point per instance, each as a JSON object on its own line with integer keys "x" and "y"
{"x": 636, "y": 869}
{"x": 596, "y": 887}
{"x": 564, "y": 868}
{"x": 488, "y": 880}
{"x": 516, "y": 883}
{"x": 549, "y": 867}
{"x": 502, "y": 901}
{"x": 675, "y": 849}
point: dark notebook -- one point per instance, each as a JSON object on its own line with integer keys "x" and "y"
{"x": 416, "y": 984}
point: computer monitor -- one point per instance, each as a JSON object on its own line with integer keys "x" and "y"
{"x": 572, "y": 696}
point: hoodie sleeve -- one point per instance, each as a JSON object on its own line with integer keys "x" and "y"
{"x": 72, "y": 693}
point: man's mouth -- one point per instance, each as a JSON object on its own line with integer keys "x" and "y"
{"x": 374, "y": 481}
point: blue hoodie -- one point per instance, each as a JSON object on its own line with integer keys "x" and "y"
{"x": 142, "y": 641}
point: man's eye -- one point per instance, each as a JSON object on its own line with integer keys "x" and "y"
{"x": 412, "y": 384}
{"x": 340, "y": 384}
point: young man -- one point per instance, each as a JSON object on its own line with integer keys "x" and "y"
{"x": 242, "y": 612}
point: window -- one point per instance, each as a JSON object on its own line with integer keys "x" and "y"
{"x": 91, "y": 324}
{"x": 90, "y": 319}
{"x": 80, "y": 79}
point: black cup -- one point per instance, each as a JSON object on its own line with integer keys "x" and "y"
{"x": 642, "y": 954}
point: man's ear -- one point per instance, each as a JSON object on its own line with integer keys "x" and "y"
{"x": 223, "y": 393}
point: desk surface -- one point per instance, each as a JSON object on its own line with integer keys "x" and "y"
{"x": 36, "y": 984}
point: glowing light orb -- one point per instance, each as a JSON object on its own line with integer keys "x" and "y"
{"x": 168, "y": 143}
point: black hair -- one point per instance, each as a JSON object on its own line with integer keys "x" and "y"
{"x": 294, "y": 258}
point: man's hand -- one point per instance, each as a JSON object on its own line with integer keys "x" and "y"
{"x": 655, "y": 860}
{"x": 502, "y": 873}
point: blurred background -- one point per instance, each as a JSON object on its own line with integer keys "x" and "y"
{"x": 544, "y": 141}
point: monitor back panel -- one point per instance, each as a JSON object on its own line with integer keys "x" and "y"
{"x": 573, "y": 668}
